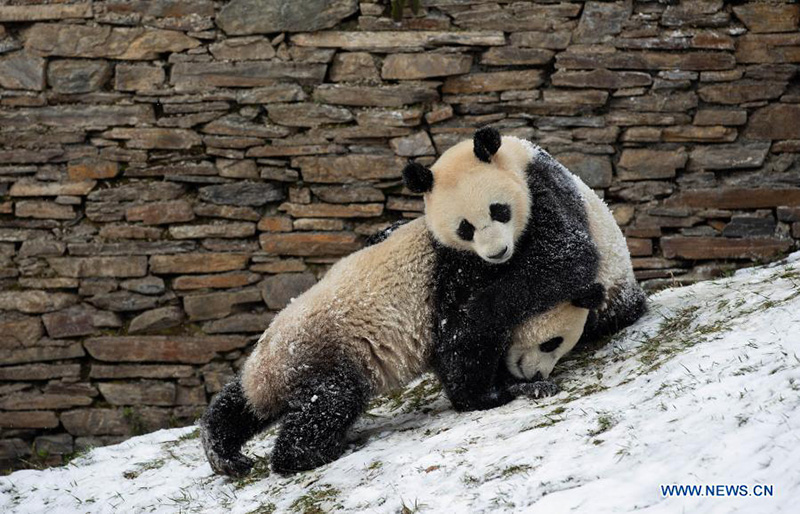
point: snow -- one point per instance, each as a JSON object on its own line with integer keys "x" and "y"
{"x": 702, "y": 391}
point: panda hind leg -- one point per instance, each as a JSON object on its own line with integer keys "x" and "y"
{"x": 226, "y": 426}
{"x": 319, "y": 414}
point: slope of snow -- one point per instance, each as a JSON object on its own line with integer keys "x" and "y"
{"x": 702, "y": 391}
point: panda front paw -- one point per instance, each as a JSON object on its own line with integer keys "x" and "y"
{"x": 539, "y": 389}
{"x": 236, "y": 466}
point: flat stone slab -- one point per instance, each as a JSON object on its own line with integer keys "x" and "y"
{"x": 189, "y": 350}
{"x": 269, "y": 16}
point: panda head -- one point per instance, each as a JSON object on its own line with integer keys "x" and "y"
{"x": 476, "y": 195}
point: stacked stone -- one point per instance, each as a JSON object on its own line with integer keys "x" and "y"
{"x": 173, "y": 172}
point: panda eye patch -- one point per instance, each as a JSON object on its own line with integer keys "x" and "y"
{"x": 551, "y": 345}
{"x": 466, "y": 230}
{"x": 500, "y": 212}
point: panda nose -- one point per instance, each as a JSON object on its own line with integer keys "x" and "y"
{"x": 537, "y": 377}
{"x": 500, "y": 254}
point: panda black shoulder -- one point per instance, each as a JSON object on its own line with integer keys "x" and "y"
{"x": 546, "y": 176}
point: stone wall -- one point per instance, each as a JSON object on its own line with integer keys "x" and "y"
{"x": 173, "y": 171}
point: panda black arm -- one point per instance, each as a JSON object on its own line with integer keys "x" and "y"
{"x": 538, "y": 286}
{"x": 474, "y": 333}
{"x": 469, "y": 364}
{"x": 465, "y": 357}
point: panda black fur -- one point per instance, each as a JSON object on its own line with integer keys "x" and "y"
{"x": 481, "y": 296}
{"x": 368, "y": 327}
{"x": 555, "y": 193}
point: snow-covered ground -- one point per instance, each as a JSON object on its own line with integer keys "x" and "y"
{"x": 703, "y": 391}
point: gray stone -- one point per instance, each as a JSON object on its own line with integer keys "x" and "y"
{"x": 378, "y": 96}
{"x": 35, "y": 302}
{"x": 414, "y": 145}
{"x": 403, "y": 117}
{"x": 144, "y": 285}
{"x": 123, "y": 301}
{"x": 775, "y": 121}
{"x": 138, "y": 77}
{"x": 138, "y": 393}
{"x": 183, "y": 349}
{"x": 55, "y": 444}
{"x": 103, "y": 41}
{"x": 156, "y": 319}
{"x": 515, "y": 56}
{"x": 729, "y": 156}
{"x": 79, "y": 267}
{"x": 239, "y": 323}
{"x": 595, "y": 170}
{"x": 82, "y": 116}
{"x": 45, "y": 350}
{"x": 397, "y": 40}
{"x": 601, "y": 79}
{"x": 307, "y": 114}
{"x": 13, "y": 449}
{"x": 348, "y": 194}
{"x": 647, "y": 164}
{"x": 235, "y": 125}
{"x": 600, "y": 20}
{"x": 272, "y": 94}
{"x": 242, "y": 194}
{"x": 40, "y": 372}
{"x": 217, "y": 305}
{"x": 349, "y": 168}
{"x": 278, "y": 290}
{"x": 17, "y": 330}
{"x": 138, "y": 191}
{"x": 80, "y": 320}
{"x": 243, "y": 49}
{"x": 95, "y": 422}
{"x": 352, "y": 66}
{"x": 42, "y": 248}
{"x": 156, "y": 138}
{"x": 269, "y": 16}
{"x": 193, "y": 76}
{"x": 78, "y": 76}
{"x": 22, "y": 70}
{"x": 39, "y": 11}
{"x": 140, "y": 371}
{"x": 420, "y": 66}
{"x": 749, "y": 226}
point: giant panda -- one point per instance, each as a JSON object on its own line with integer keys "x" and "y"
{"x": 517, "y": 274}
{"x": 386, "y": 313}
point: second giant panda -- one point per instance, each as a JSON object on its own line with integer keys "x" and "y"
{"x": 511, "y": 269}
{"x": 427, "y": 297}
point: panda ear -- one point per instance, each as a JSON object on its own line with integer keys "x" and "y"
{"x": 487, "y": 142}
{"x": 417, "y": 177}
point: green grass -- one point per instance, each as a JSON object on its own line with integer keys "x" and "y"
{"x": 410, "y": 400}
{"x": 267, "y": 508}
{"x": 605, "y": 422}
{"x": 260, "y": 471}
{"x": 518, "y": 469}
{"x": 313, "y": 501}
{"x": 141, "y": 468}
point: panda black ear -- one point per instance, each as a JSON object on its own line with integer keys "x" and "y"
{"x": 417, "y": 177}
{"x": 487, "y": 142}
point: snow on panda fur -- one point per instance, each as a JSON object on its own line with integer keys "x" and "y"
{"x": 624, "y": 300}
{"x": 545, "y": 242}
{"x": 376, "y": 319}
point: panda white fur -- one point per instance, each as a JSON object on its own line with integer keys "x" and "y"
{"x": 380, "y": 316}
